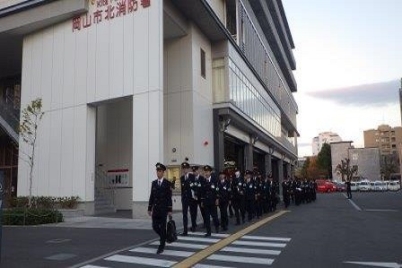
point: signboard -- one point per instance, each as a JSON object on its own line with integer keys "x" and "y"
{"x": 1, "y": 207}
{"x": 118, "y": 177}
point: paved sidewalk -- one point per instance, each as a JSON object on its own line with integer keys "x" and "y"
{"x": 118, "y": 220}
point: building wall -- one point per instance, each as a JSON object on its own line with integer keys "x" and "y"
{"x": 368, "y": 162}
{"x": 218, "y": 7}
{"x": 324, "y": 137}
{"x": 188, "y": 100}
{"x": 339, "y": 151}
{"x": 70, "y": 69}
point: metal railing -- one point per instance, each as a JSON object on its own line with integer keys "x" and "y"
{"x": 103, "y": 188}
{"x": 10, "y": 115}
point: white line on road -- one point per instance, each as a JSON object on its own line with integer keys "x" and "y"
{"x": 166, "y": 252}
{"x": 251, "y": 250}
{"x": 242, "y": 259}
{"x": 353, "y": 203}
{"x": 377, "y": 264}
{"x": 259, "y": 244}
{"x": 140, "y": 260}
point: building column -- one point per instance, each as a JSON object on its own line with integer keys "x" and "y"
{"x": 268, "y": 164}
{"x": 280, "y": 177}
{"x": 248, "y": 151}
{"x": 220, "y": 126}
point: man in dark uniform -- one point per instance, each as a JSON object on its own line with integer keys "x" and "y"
{"x": 238, "y": 197}
{"x": 250, "y": 194}
{"x": 160, "y": 205}
{"x": 224, "y": 194}
{"x": 187, "y": 201}
{"x": 348, "y": 189}
{"x": 198, "y": 181}
{"x": 209, "y": 200}
{"x": 286, "y": 192}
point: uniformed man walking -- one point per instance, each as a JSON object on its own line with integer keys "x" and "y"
{"x": 187, "y": 200}
{"x": 209, "y": 200}
{"x": 160, "y": 204}
{"x": 224, "y": 193}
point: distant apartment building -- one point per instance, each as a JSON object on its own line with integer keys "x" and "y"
{"x": 385, "y": 138}
{"x": 324, "y": 137}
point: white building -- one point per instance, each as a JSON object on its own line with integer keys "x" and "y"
{"x": 322, "y": 138}
{"x": 125, "y": 84}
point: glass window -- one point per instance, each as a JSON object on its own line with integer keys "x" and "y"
{"x": 203, "y": 74}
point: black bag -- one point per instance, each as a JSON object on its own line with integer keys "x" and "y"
{"x": 171, "y": 234}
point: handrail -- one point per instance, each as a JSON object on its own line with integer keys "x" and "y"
{"x": 103, "y": 186}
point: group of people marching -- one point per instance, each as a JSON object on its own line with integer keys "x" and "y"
{"x": 249, "y": 196}
{"x": 244, "y": 196}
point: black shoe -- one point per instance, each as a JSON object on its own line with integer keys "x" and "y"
{"x": 160, "y": 250}
{"x": 184, "y": 234}
{"x": 192, "y": 229}
{"x": 207, "y": 234}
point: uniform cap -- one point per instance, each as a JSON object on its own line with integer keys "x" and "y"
{"x": 185, "y": 165}
{"x": 248, "y": 172}
{"x": 194, "y": 168}
{"x": 160, "y": 166}
{"x": 207, "y": 168}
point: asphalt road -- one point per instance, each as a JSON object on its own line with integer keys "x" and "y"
{"x": 331, "y": 232}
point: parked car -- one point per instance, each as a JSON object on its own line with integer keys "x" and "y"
{"x": 340, "y": 187}
{"x": 379, "y": 186}
{"x": 394, "y": 186}
{"x": 354, "y": 186}
{"x": 364, "y": 186}
{"x": 325, "y": 186}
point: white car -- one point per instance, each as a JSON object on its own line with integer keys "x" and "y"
{"x": 380, "y": 186}
{"x": 394, "y": 186}
{"x": 364, "y": 186}
{"x": 354, "y": 186}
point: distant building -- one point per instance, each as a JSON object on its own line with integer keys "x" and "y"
{"x": 324, "y": 137}
{"x": 339, "y": 151}
{"x": 385, "y": 138}
{"x": 367, "y": 161}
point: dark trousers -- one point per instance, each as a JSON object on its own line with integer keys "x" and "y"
{"x": 349, "y": 193}
{"x": 210, "y": 211}
{"x": 186, "y": 205}
{"x": 193, "y": 213}
{"x": 239, "y": 209}
{"x": 250, "y": 207}
{"x": 159, "y": 225}
{"x": 223, "y": 208}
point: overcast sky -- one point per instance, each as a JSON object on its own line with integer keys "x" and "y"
{"x": 349, "y": 65}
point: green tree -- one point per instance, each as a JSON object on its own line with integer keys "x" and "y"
{"x": 346, "y": 170}
{"x": 304, "y": 168}
{"x": 324, "y": 161}
{"x": 388, "y": 166}
{"x": 28, "y": 130}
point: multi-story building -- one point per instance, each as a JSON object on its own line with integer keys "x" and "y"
{"x": 385, "y": 138}
{"x": 322, "y": 138}
{"x": 367, "y": 161}
{"x": 339, "y": 152}
{"x": 126, "y": 84}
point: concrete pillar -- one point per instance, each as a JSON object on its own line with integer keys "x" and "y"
{"x": 280, "y": 176}
{"x": 268, "y": 164}
{"x": 219, "y": 142}
{"x": 249, "y": 156}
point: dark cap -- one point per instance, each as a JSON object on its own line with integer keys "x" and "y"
{"x": 207, "y": 168}
{"x": 248, "y": 172}
{"x": 160, "y": 166}
{"x": 222, "y": 173}
{"x": 185, "y": 165}
{"x": 194, "y": 168}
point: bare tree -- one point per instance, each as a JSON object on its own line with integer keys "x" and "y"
{"x": 28, "y": 130}
{"x": 346, "y": 170}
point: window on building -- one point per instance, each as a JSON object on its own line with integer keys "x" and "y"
{"x": 231, "y": 17}
{"x": 203, "y": 72}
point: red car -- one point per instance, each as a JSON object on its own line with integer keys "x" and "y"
{"x": 324, "y": 186}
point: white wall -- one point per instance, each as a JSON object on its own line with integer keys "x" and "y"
{"x": 69, "y": 69}
{"x": 188, "y": 99}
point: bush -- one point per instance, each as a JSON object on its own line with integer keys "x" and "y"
{"x": 32, "y": 216}
{"x": 44, "y": 202}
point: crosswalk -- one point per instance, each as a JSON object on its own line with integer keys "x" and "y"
{"x": 248, "y": 250}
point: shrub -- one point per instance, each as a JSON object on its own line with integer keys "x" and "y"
{"x": 32, "y": 216}
{"x": 68, "y": 202}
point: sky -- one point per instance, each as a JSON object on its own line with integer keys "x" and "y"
{"x": 348, "y": 66}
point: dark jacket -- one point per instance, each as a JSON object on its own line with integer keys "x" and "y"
{"x": 160, "y": 200}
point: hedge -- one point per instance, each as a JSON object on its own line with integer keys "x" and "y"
{"x": 32, "y": 216}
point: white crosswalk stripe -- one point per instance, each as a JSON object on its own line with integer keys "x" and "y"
{"x": 248, "y": 250}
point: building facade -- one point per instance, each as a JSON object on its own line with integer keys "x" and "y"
{"x": 385, "y": 137}
{"x": 126, "y": 84}
{"x": 322, "y": 138}
{"x": 367, "y": 161}
{"x": 339, "y": 152}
